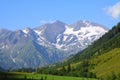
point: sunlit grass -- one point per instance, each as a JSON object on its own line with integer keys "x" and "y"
{"x": 35, "y": 76}
{"x": 107, "y": 63}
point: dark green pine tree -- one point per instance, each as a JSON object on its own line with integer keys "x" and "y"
{"x": 63, "y": 69}
{"x": 68, "y": 68}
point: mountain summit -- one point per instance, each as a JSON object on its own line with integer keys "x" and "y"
{"x": 49, "y": 43}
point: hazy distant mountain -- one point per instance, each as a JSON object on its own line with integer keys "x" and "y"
{"x": 49, "y": 43}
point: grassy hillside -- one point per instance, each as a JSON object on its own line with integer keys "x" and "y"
{"x": 104, "y": 65}
{"x": 107, "y": 63}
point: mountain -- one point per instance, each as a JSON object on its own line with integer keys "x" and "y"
{"x": 49, "y": 43}
{"x": 101, "y": 58}
{"x": 1, "y": 69}
{"x": 65, "y": 37}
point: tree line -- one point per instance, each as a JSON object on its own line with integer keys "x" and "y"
{"x": 81, "y": 70}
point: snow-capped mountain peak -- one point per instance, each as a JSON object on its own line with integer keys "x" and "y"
{"x": 26, "y": 30}
{"x": 49, "y": 43}
{"x": 65, "y": 37}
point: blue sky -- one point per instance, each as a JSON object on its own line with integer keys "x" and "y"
{"x": 18, "y": 14}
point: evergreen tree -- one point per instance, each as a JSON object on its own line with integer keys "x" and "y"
{"x": 68, "y": 68}
{"x": 41, "y": 78}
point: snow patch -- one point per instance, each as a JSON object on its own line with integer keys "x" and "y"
{"x": 83, "y": 36}
{"x": 5, "y": 46}
{"x": 38, "y": 32}
{"x": 61, "y": 47}
{"x": 26, "y": 31}
{"x": 13, "y": 59}
{"x": 65, "y": 37}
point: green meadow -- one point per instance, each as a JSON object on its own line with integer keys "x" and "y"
{"x": 35, "y": 76}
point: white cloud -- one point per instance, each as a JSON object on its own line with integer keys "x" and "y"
{"x": 44, "y": 22}
{"x": 113, "y": 11}
{"x": 52, "y": 21}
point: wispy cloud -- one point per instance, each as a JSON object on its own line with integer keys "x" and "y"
{"x": 44, "y": 21}
{"x": 113, "y": 11}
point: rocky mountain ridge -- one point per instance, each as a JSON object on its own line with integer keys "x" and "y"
{"x": 49, "y": 43}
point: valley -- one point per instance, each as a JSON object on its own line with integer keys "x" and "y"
{"x": 59, "y": 40}
{"x": 100, "y": 60}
